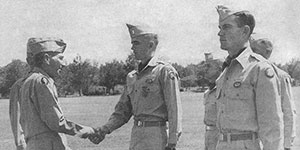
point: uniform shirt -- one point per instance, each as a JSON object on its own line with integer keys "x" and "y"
{"x": 210, "y": 104}
{"x": 14, "y": 113}
{"x": 249, "y": 101}
{"x": 151, "y": 94}
{"x": 40, "y": 109}
{"x": 288, "y": 107}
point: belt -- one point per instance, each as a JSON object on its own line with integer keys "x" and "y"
{"x": 226, "y": 137}
{"x": 210, "y": 128}
{"x": 149, "y": 123}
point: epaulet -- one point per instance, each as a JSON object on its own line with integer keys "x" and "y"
{"x": 131, "y": 73}
{"x": 258, "y": 57}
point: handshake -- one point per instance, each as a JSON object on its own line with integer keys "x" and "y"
{"x": 96, "y": 135}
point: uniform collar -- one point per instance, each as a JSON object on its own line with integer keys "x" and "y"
{"x": 154, "y": 61}
{"x": 39, "y": 70}
{"x": 243, "y": 58}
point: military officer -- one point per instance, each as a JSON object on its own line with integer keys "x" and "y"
{"x": 151, "y": 96}
{"x": 249, "y": 104}
{"x": 42, "y": 120}
{"x": 213, "y": 70}
{"x": 14, "y": 108}
{"x": 264, "y": 47}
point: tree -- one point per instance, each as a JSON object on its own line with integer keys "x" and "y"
{"x": 112, "y": 74}
{"x": 10, "y": 74}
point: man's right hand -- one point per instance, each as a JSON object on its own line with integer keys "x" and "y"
{"x": 98, "y": 136}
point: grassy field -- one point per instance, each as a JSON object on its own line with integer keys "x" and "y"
{"x": 94, "y": 111}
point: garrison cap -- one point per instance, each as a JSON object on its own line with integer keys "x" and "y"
{"x": 224, "y": 12}
{"x": 137, "y": 30}
{"x": 264, "y": 44}
{"x": 45, "y": 44}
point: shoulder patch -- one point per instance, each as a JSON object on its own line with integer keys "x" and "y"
{"x": 269, "y": 73}
{"x": 44, "y": 80}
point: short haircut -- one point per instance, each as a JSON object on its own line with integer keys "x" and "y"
{"x": 245, "y": 18}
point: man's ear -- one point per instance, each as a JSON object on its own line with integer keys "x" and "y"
{"x": 46, "y": 58}
{"x": 246, "y": 30}
{"x": 151, "y": 44}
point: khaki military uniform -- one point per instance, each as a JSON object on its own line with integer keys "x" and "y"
{"x": 210, "y": 119}
{"x": 41, "y": 116}
{"x": 288, "y": 107}
{"x": 152, "y": 97}
{"x": 249, "y": 105}
{"x": 14, "y": 114}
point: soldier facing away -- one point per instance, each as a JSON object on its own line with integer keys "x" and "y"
{"x": 264, "y": 47}
{"x": 42, "y": 120}
{"x": 151, "y": 96}
{"x": 249, "y": 104}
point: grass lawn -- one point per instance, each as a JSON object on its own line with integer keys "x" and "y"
{"x": 94, "y": 111}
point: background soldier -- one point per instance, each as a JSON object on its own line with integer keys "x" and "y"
{"x": 213, "y": 70}
{"x": 41, "y": 116}
{"x": 249, "y": 104}
{"x": 151, "y": 95}
{"x": 14, "y": 108}
{"x": 264, "y": 47}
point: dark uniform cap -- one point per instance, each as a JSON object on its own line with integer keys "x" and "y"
{"x": 47, "y": 44}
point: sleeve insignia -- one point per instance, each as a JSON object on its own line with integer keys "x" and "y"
{"x": 172, "y": 75}
{"x": 269, "y": 73}
{"x": 44, "y": 80}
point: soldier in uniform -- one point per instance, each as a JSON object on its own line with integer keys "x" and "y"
{"x": 249, "y": 104}
{"x": 213, "y": 70}
{"x": 264, "y": 47}
{"x": 42, "y": 120}
{"x": 14, "y": 107}
{"x": 151, "y": 96}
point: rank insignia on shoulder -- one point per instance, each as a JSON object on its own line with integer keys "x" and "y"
{"x": 44, "y": 80}
{"x": 237, "y": 84}
{"x": 269, "y": 73}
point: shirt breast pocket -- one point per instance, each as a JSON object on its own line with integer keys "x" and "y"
{"x": 241, "y": 92}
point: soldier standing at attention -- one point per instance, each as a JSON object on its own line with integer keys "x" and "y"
{"x": 249, "y": 104}
{"x": 213, "y": 70}
{"x": 264, "y": 47}
{"x": 151, "y": 96}
{"x": 41, "y": 117}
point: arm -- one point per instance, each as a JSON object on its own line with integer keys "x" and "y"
{"x": 268, "y": 107}
{"x": 289, "y": 111}
{"x": 52, "y": 114}
{"x": 121, "y": 115}
{"x": 14, "y": 115}
{"x": 169, "y": 80}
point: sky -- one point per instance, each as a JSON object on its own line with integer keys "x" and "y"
{"x": 96, "y": 29}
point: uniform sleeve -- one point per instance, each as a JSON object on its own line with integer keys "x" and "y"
{"x": 121, "y": 115}
{"x": 172, "y": 99}
{"x": 52, "y": 114}
{"x": 289, "y": 111}
{"x": 14, "y": 115}
{"x": 268, "y": 106}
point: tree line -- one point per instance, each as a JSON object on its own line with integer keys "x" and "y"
{"x": 91, "y": 78}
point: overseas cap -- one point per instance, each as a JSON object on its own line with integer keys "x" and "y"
{"x": 224, "y": 12}
{"x": 261, "y": 44}
{"x": 45, "y": 44}
{"x": 136, "y": 30}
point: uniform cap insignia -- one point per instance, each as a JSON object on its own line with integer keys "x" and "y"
{"x": 269, "y": 73}
{"x": 44, "y": 80}
{"x": 237, "y": 84}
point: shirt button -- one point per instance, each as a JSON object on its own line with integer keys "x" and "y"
{"x": 224, "y": 94}
{"x": 227, "y": 78}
